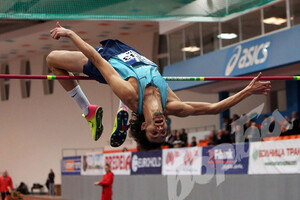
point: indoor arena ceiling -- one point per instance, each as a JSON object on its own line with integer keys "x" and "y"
{"x": 35, "y": 38}
{"x": 125, "y": 9}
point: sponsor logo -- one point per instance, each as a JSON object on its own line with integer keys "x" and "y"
{"x": 189, "y": 157}
{"x": 144, "y": 162}
{"x": 247, "y": 57}
{"x": 261, "y": 153}
{"x": 171, "y": 157}
{"x": 118, "y": 162}
{"x": 219, "y": 156}
{"x": 271, "y": 153}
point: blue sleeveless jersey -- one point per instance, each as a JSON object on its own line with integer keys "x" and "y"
{"x": 128, "y": 62}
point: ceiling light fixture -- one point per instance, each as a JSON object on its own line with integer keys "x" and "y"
{"x": 274, "y": 20}
{"x": 190, "y": 49}
{"x": 227, "y": 36}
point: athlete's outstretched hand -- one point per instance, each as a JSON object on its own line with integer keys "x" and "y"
{"x": 259, "y": 87}
{"x": 60, "y": 31}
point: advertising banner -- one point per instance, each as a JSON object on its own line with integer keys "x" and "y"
{"x": 275, "y": 157}
{"x": 183, "y": 161}
{"x": 71, "y": 165}
{"x": 119, "y": 162}
{"x": 146, "y": 162}
{"x": 225, "y": 159}
{"x": 92, "y": 164}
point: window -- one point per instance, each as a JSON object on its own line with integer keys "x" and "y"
{"x": 230, "y": 28}
{"x": 163, "y": 46}
{"x": 162, "y": 52}
{"x": 176, "y": 45}
{"x": 295, "y": 12}
{"x": 210, "y": 40}
{"x": 25, "y": 83}
{"x": 275, "y": 17}
{"x": 192, "y": 41}
{"x": 251, "y": 25}
{"x": 4, "y": 83}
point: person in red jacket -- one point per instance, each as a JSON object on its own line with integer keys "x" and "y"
{"x": 106, "y": 183}
{"x": 6, "y": 184}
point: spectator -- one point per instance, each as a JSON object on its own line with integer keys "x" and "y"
{"x": 106, "y": 183}
{"x": 184, "y": 138}
{"x": 265, "y": 126}
{"x": 223, "y": 137}
{"x": 235, "y": 117}
{"x": 295, "y": 121}
{"x": 194, "y": 142}
{"x": 170, "y": 138}
{"x": 274, "y": 128}
{"x": 226, "y": 125}
{"x": 212, "y": 139}
{"x": 238, "y": 134}
{"x": 252, "y": 133}
{"x": 226, "y": 137}
{"x": 6, "y": 184}
{"x": 286, "y": 126}
{"x": 246, "y": 126}
{"x": 177, "y": 143}
{"x": 219, "y": 139}
{"x": 51, "y": 177}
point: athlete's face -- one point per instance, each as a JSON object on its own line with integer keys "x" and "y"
{"x": 156, "y": 128}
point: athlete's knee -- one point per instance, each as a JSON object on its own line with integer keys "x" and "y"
{"x": 52, "y": 59}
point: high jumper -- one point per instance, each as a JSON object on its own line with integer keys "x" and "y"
{"x": 138, "y": 84}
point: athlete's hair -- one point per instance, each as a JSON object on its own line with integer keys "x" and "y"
{"x": 139, "y": 135}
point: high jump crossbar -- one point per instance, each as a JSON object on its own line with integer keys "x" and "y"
{"x": 200, "y": 78}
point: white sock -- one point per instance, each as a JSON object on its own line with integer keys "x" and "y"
{"x": 122, "y": 105}
{"x": 79, "y": 97}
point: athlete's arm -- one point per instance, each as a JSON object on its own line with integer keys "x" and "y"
{"x": 182, "y": 109}
{"x": 123, "y": 89}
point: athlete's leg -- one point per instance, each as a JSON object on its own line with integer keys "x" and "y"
{"x": 65, "y": 62}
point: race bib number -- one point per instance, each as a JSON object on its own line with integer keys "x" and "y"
{"x": 130, "y": 57}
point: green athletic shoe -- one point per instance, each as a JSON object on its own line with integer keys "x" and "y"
{"x": 119, "y": 133}
{"x": 94, "y": 119}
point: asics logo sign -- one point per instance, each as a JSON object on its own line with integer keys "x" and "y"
{"x": 247, "y": 57}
